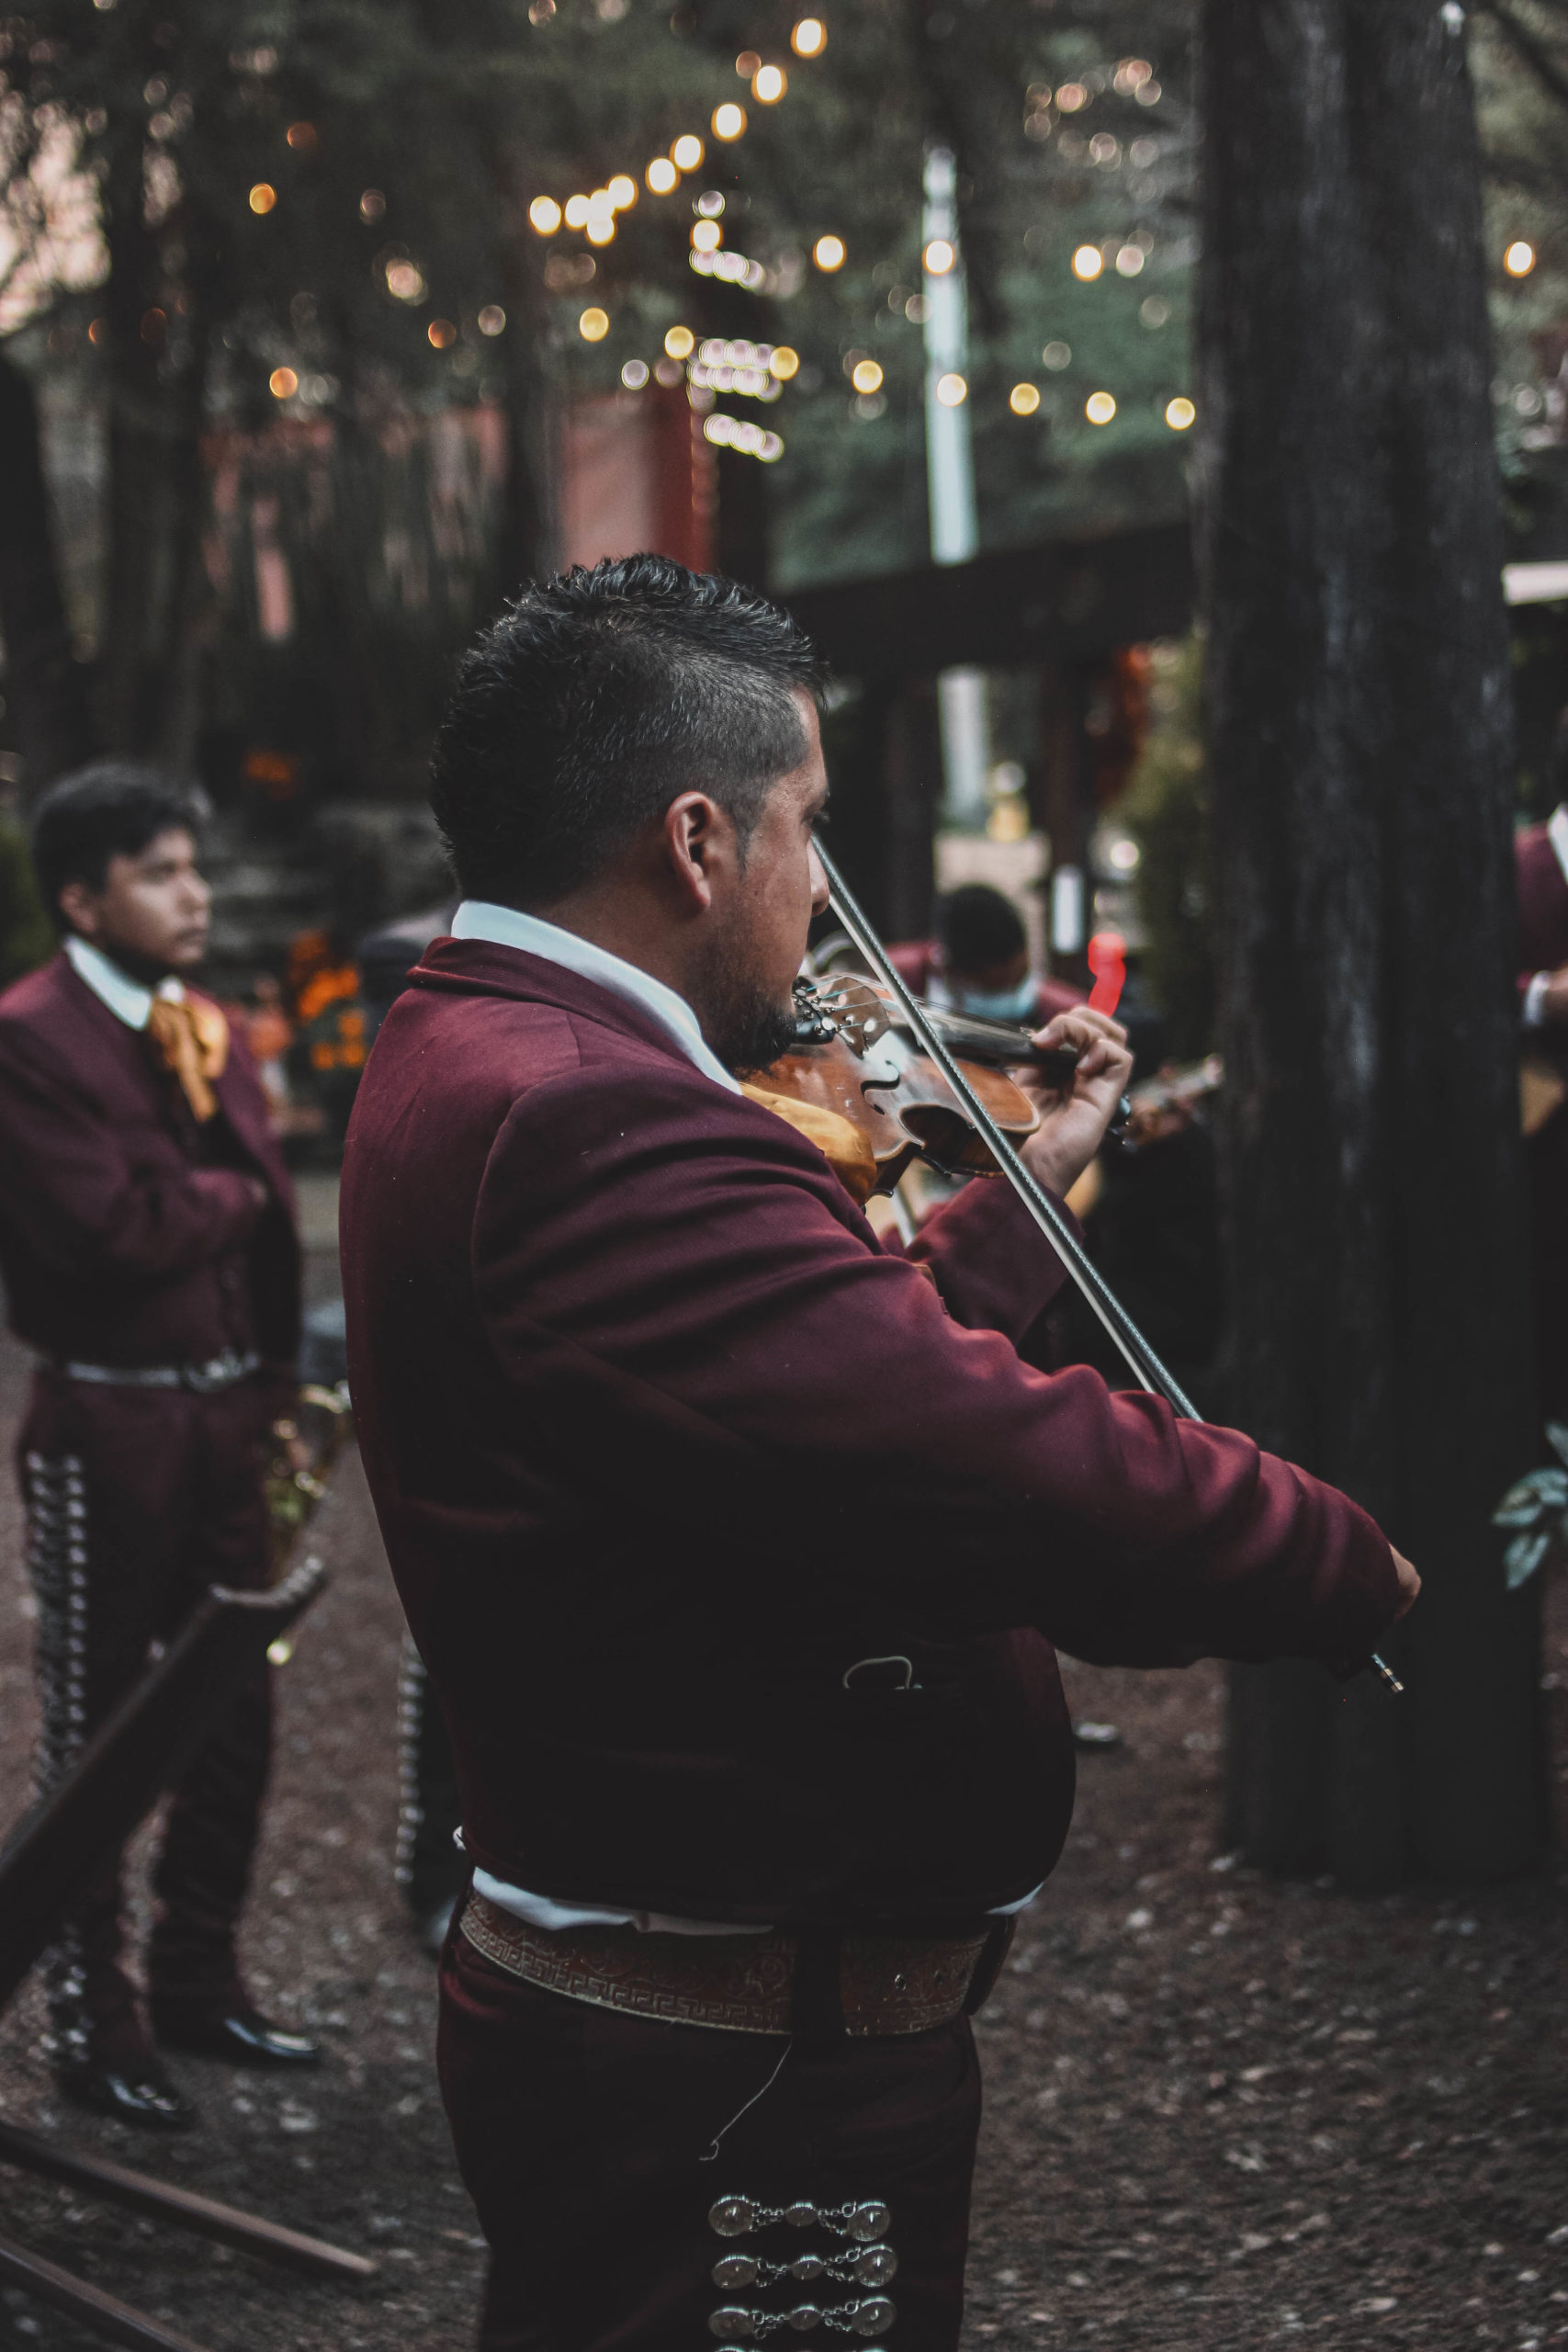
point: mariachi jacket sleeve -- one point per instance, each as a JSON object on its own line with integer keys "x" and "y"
{"x": 679, "y": 1273}
{"x": 71, "y": 1186}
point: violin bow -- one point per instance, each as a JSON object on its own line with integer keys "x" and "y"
{"x": 1053, "y": 1221}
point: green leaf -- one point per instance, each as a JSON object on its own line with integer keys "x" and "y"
{"x": 1557, "y": 1438}
{"x": 1536, "y": 1494}
{"x": 1523, "y": 1556}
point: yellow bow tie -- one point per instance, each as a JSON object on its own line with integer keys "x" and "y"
{"x": 192, "y": 1038}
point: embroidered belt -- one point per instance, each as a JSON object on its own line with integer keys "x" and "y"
{"x": 744, "y": 1984}
{"x": 199, "y": 1379}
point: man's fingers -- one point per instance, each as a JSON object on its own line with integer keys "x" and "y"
{"x": 1409, "y": 1584}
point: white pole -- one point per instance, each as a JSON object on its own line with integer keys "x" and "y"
{"x": 950, "y": 477}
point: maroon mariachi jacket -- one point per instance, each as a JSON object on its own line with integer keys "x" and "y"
{"x": 128, "y": 1235}
{"x": 664, "y": 1444}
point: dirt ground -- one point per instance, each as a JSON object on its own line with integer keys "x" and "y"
{"x": 1222, "y": 2112}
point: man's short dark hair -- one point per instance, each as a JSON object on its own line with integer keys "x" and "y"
{"x": 592, "y": 701}
{"x": 980, "y": 927}
{"x": 113, "y": 809}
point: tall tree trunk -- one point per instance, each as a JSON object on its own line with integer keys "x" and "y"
{"x": 46, "y": 692}
{"x": 1358, "y": 684}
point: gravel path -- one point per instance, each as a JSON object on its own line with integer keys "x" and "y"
{"x": 1223, "y": 2112}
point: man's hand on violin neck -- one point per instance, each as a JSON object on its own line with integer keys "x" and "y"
{"x": 1409, "y": 1584}
{"x": 1072, "y": 1127}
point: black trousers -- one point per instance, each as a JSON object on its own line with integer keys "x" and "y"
{"x": 585, "y": 2136}
{"x": 137, "y": 1500}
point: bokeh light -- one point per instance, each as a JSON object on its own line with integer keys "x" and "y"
{"x": 1057, "y": 356}
{"x": 283, "y": 383}
{"x": 1099, "y": 408}
{"x": 952, "y": 391}
{"x": 706, "y": 236}
{"x": 544, "y": 214}
{"x": 576, "y": 211}
{"x": 264, "y": 195}
{"x": 728, "y": 120}
{"x": 1071, "y": 97}
{"x": 1087, "y": 263}
{"x": 621, "y": 191}
{"x": 661, "y": 175}
{"x": 1179, "y": 413}
{"x": 1023, "y": 400}
{"x": 687, "y": 152}
{"x": 784, "y": 363}
{"x": 1518, "y": 261}
{"x": 867, "y": 377}
{"x": 593, "y": 325}
{"x": 768, "y": 85}
{"x": 809, "y": 38}
{"x": 679, "y": 343}
{"x": 828, "y": 253}
{"x": 492, "y": 318}
{"x": 634, "y": 374}
{"x": 939, "y": 257}
{"x": 442, "y": 334}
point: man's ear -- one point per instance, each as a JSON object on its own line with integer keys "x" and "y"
{"x": 80, "y": 907}
{"x": 696, "y": 838}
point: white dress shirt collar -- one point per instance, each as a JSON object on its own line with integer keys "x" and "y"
{"x": 508, "y": 927}
{"x": 126, "y": 998}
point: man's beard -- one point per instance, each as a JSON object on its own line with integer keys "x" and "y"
{"x": 744, "y": 1023}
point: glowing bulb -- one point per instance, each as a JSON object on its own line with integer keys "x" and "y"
{"x": 687, "y": 152}
{"x": 621, "y": 191}
{"x": 283, "y": 383}
{"x": 1518, "y": 261}
{"x": 828, "y": 253}
{"x": 264, "y": 195}
{"x": 576, "y": 211}
{"x": 939, "y": 257}
{"x": 634, "y": 374}
{"x": 728, "y": 120}
{"x": 952, "y": 391}
{"x": 1130, "y": 261}
{"x": 600, "y": 228}
{"x": 661, "y": 175}
{"x": 1023, "y": 400}
{"x": 1071, "y": 97}
{"x": 809, "y": 38}
{"x": 543, "y": 215}
{"x": 492, "y": 318}
{"x": 768, "y": 85}
{"x": 1179, "y": 413}
{"x": 441, "y": 333}
{"x": 1087, "y": 262}
{"x": 1099, "y": 408}
{"x": 784, "y": 364}
{"x": 679, "y": 343}
{"x": 867, "y": 377}
{"x": 747, "y": 64}
{"x": 706, "y": 236}
{"x": 405, "y": 283}
{"x": 593, "y": 325}
{"x": 599, "y": 203}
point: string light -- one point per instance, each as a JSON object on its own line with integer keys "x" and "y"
{"x": 1179, "y": 413}
{"x": 405, "y": 282}
{"x": 784, "y": 363}
{"x": 621, "y": 191}
{"x": 952, "y": 391}
{"x": 809, "y": 38}
{"x": 1099, "y": 408}
{"x": 634, "y": 374}
{"x": 1518, "y": 261}
{"x": 1071, "y": 97}
{"x": 747, "y": 64}
{"x": 1057, "y": 356}
{"x": 372, "y": 204}
{"x": 739, "y": 433}
{"x": 301, "y": 137}
{"x": 593, "y": 325}
{"x": 1023, "y": 400}
{"x": 867, "y": 377}
{"x": 828, "y": 253}
{"x": 706, "y": 236}
{"x": 679, "y": 343}
{"x": 687, "y": 152}
{"x": 600, "y": 228}
{"x": 492, "y": 318}
{"x": 576, "y": 211}
{"x": 768, "y": 85}
{"x": 545, "y": 215}
{"x": 728, "y": 120}
{"x": 661, "y": 175}
{"x": 939, "y": 257}
{"x": 1087, "y": 263}
{"x": 263, "y": 197}
{"x": 441, "y": 334}
{"x": 283, "y": 383}
{"x": 734, "y": 269}
{"x": 1130, "y": 261}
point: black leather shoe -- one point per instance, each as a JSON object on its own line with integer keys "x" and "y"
{"x": 239, "y": 2033}
{"x": 137, "y": 2090}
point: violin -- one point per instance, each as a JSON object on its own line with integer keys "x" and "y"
{"x": 881, "y": 1102}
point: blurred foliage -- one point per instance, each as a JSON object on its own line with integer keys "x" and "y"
{"x": 1168, "y": 810}
{"x": 27, "y": 935}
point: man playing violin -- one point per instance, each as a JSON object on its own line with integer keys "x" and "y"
{"x": 735, "y": 1540}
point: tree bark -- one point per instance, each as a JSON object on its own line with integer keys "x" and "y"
{"x": 46, "y": 693}
{"x": 1350, "y": 557}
